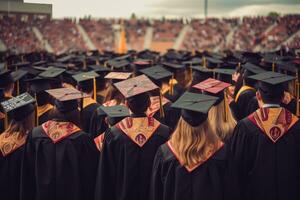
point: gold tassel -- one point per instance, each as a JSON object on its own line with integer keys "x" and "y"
{"x": 273, "y": 67}
{"x": 95, "y": 89}
{"x": 171, "y": 84}
{"x": 161, "y": 109}
{"x": 239, "y": 66}
{"x": 204, "y": 61}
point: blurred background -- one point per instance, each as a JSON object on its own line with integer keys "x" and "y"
{"x": 61, "y": 26}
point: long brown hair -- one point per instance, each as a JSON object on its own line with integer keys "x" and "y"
{"x": 193, "y": 143}
{"x": 113, "y": 93}
{"x": 221, "y": 120}
{"x": 21, "y": 127}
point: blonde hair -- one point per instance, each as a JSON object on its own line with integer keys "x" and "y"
{"x": 221, "y": 120}
{"x": 113, "y": 93}
{"x": 192, "y": 143}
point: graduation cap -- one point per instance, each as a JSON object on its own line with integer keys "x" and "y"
{"x": 118, "y": 65}
{"x": 272, "y": 78}
{"x": 21, "y": 64}
{"x": 212, "y": 62}
{"x": 135, "y": 86}
{"x": 200, "y": 74}
{"x": 157, "y": 73}
{"x": 100, "y": 69}
{"x": 2, "y": 67}
{"x": 66, "y": 98}
{"x": 17, "y": 76}
{"x": 173, "y": 66}
{"x": 193, "y": 62}
{"x": 19, "y": 107}
{"x": 5, "y": 79}
{"x": 39, "y": 84}
{"x": 87, "y": 78}
{"x": 52, "y": 72}
{"x": 118, "y": 75}
{"x": 194, "y": 107}
{"x": 252, "y": 69}
{"x": 212, "y": 86}
{"x": 31, "y": 71}
{"x": 224, "y": 75}
{"x": 114, "y": 114}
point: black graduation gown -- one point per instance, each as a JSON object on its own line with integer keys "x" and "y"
{"x": 59, "y": 171}
{"x": 125, "y": 168}
{"x": 172, "y": 181}
{"x": 240, "y": 108}
{"x": 266, "y": 170}
{"x": 171, "y": 118}
{"x": 89, "y": 120}
{"x": 177, "y": 92}
{"x": 10, "y": 168}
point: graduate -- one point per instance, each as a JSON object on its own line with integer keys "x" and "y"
{"x": 265, "y": 145}
{"x": 60, "y": 160}
{"x": 161, "y": 77}
{"x": 86, "y": 83}
{"x": 192, "y": 164}
{"x": 129, "y": 147}
{"x": 12, "y": 141}
{"x": 239, "y": 105}
{"x": 219, "y": 116}
{"x": 38, "y": 87}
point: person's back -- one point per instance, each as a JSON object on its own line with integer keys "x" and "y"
{"x": 129, "y": 148}
{"x": 193, "y": 163}
{"x": 264, "y": 148}
{"x": 12, "y": 142}
{"x": 60, "y": 160}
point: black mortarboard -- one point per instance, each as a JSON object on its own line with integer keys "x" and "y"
{"x": 118, "y": 76}
{"x": 272, "y": 78}
{"x": 19, "y": 74}
{"x": 194, "y": 107}
{"x": 31, "y": 71}
{"x": 5, "y": 79}
{"x": 212, "y": 62}
{"x": 118, "y": 65}
{"x": 39, "y": 84}
{"x": 52, "y": 72}
{"x": 135, "y": 86}
{"x": 20, "y": 106}
{"x": 85, "y": 76}
{"x": 253, "y": 69}
{"x": 117, "y": 111}
{"x": 224, "y": 74}
{"x": 21, "y": 64}
{"x": 157, "y": 73}
{"x": 201, "y": 73}
{"x": 173, "y": 66}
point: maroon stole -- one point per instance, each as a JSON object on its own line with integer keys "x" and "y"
{"x": 274, "y": 122}
{"x": 11, "y": 142}
{"x": 139, "y": 129}
{"x": 99, "y": 141}
{"x": 58, "y": 131}
{"x": 155, "y": 105}
{"x": 208, "y": 154}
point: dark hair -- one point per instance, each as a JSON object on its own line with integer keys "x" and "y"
{"x": 23, "y": 126}
{"x": 72, "y": 116}
{"x": 101, "y": 84}
{"x": 139, "y": 103}
{"x": 86, "y": 86}
{"x": 271, "y": 94}
{"x": 42, "y": 98}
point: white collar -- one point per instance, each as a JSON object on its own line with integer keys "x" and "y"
{"x": 269, "y": 105}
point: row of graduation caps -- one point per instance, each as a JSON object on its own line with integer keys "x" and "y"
{"x": 118, "y": 69}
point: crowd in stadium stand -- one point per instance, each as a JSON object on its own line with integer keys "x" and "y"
{"x": 248, "y": 33}
{"x": 100, "y": 32}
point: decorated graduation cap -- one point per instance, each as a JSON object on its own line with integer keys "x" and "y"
{"x": 87, "y": 81}
{"x": 114, "y": 113}
{"x": 133, "y": 88}
{"x": 18, "y": 107}
{"x": 5, "y": 79}
{"x": 66, "y": 98}
{"x": 194, "y": 107}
